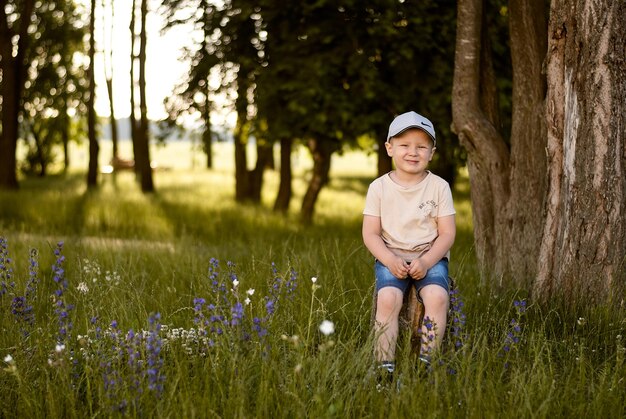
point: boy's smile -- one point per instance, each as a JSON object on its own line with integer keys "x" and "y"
{"x": 411, "y": 152}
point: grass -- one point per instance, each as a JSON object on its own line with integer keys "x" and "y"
{"x": 141, "y": 255}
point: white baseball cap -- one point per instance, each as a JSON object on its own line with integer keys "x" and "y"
{"x": 408, "y": 120}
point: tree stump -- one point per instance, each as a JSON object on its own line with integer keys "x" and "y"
{"x": 411, "y": 316}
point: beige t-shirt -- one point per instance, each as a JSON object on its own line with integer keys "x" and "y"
{"x": 408, "y": 215}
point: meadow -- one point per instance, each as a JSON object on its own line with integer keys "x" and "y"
{"x": 185, "y": 304}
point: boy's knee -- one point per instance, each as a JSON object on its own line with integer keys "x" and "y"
{"x": 389, "y": 300}
{"x": 435, "y": 296}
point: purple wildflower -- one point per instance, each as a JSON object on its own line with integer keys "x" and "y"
{"x": 62, "y": 309}
{"x": 514, "y": 331}
{"x": 457, "y": 319}
{"x": 5, "y": 268}
{"x": 153, "y": 355}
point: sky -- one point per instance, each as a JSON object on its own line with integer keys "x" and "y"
{"x": 164, "y": 68}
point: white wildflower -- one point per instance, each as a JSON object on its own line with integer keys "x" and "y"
{"x": 82, "y": 288}
{"x": 327, "y": 327}
{"x": 8, "y": 359}
{"x": 250, "y": 291}
{"x": 235, "y": 283}
{"x": 247, "y": 301}
{"x": 59, "y": 348}
{"x": 314, "y": 279}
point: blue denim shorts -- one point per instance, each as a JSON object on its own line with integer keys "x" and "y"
{"x": 437, "y": 275}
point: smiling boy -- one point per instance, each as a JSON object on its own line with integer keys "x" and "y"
{"x": 409, "y": 227}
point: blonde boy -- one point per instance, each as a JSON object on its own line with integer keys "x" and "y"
{"x": 409, "y": 227}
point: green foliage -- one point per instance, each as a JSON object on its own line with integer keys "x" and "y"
{"x": 55, "y": 82}
{"x": 138, "y": 255}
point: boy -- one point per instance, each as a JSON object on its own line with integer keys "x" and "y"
{"x": 409, "y": 227}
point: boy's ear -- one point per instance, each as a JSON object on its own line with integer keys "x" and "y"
{"x": 432, "y": 153}
{"x": 388, "y": 147}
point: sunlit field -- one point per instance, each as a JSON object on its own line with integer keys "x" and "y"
{"x": 183, "y": 303}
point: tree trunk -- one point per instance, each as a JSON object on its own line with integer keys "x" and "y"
{"x": 255, "y": 177}
{"x": 142, "y": 159}
{"x": 284, "y": 189}
{"x": 488, "y": 156}
{"x": 207, "y": 134}
{"x": 584, "y": 240}
{"x": 384, "y": 161}
{"x": 133, "y": 109}
{"x": 241, "y": 140}
{"x": 12, "y": 65}
{"x": 321, "y": 152}
{"x": 528, "y": 27}
{"x": 108, "y": 75}
{"x": 92, "y": 172}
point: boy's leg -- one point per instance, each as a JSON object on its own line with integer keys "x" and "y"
{"x": 436, "y": 302}
{"x": 433, "y": 291}
{"x": 388, "y": 305}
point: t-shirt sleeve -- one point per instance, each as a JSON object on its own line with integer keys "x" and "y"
{"x": 446, "y": 204}
{"x": 372, "y": 200}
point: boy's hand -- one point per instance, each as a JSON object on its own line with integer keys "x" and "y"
{"x": 399, "y": 268}
{"x": 417, "y": 269}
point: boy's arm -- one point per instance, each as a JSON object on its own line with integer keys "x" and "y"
{"x": 446, "y": 232}
{"x": 374, "y": 242}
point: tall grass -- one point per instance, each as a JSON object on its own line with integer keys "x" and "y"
{"x": 147, "y": 282}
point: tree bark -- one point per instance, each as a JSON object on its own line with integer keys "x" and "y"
{"x": 142, "y": 159}
{"x": 255, "y": 177}
{"x": 92, "y": 172}
{"x": 321, "y": 151}
{"x": 383, "y": 159}
{"x": 488, "y": 155}
{"x": 283, "y": 197}
{"x": 207, "y": 134}
{"x": 12, "y": 85}
{"x": 584, "y": 240}
{"x": 133, "y": 110}
{"x": 528, "y": 28}
{"x": 241, "y": 140}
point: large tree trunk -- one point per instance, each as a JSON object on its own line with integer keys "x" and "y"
{"x": 383, "y": 160}
{"x": 584, "y": 243}
{"x": 142, "y": 159}
{"x": 488, "y": 155}
{"x": 92, "y": 172}
{"x": 12, "y": 65}
{"x": 528, "y": 26}
{"x": 284, "y": 189}
{"x": 321, "y": 151}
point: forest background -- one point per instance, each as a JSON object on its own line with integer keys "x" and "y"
{"x": 528, "y": 99}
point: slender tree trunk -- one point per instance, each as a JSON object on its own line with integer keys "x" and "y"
{"x": 255, "y": 183}
{"x": 65, "y": 137}
{"x": 143, "y": 138}
{"x": 92, "y": 173}
{"x": 107, "y": 54}
{"x": 583, "y": 251}
{"x": 241, "y": 141}
{"x": 207, "y": 134}
{"x": 12, "y": 65}
{"x": 133, "y": 108}
{"x": 284, "y": 189}
{"x": 321, "y": 152}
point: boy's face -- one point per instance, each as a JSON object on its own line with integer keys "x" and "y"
{"x": 411, "y": 151}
